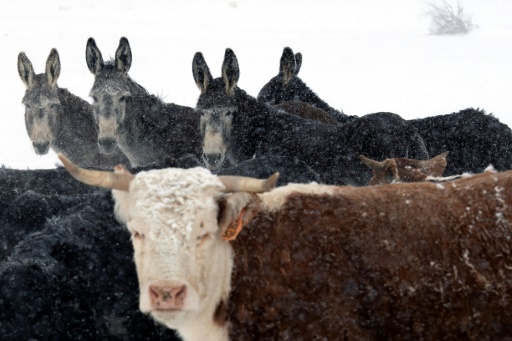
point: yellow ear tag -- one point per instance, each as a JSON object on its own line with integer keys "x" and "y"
{"x": 232, "y": 231}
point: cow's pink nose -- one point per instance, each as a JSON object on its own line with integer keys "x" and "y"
{"x": 167, "y": 297}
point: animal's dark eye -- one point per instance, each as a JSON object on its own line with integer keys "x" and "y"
{"x": 137, "y": 235}
{"x": 230, "y": 113}
{"x": 54, "y": 106}
{"x": 122, "y": 99}
{"x": 27, "y": 106}
{"x": 202, "y": 238}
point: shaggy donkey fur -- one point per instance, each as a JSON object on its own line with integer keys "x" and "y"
{"x": 57, "y": 119}
{"x": 474, "y": 139}
{"x": 250, "y": 127}
{"x": 145, "y": 128}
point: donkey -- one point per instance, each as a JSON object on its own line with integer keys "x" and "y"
{"x": 474, "y": 138}
{"x": 144, "y": 127}
{"x": 235, "y": 126}
{"x": 288, "y": 87}
{"x": 57, "y": 119}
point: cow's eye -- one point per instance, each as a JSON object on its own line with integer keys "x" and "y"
{"x": 202, "y": 238}
{"x": 137, "y": 235}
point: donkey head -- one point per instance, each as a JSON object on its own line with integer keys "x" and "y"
{"x": 219, "y": 112}
{"x": 284, "y": 86}
{"x": 111, "y": 90}
{"x": 41, "y": 100}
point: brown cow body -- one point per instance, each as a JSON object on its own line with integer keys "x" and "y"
{"x": 394, "y": 262}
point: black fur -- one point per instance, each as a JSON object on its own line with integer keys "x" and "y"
{"x": 148, "y": 130}
{"x": 331, "y": 150}
{"x": 474, "y": 139}
{"x": 291, "y": 169}
{"x": 75, "y": 279}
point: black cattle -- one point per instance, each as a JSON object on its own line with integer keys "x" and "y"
{"x": 75, "y": 279}
{"x": 290, "y": 169}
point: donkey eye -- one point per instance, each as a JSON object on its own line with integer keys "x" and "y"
{"x": 122, "y": 99}
{"x": 54, "y": 106}
{"x": 27, "y": 106}
{"x": 230, "y": 113}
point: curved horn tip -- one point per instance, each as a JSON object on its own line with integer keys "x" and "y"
{"x": 271, "y": 182}
{"x": 70, "y": 166}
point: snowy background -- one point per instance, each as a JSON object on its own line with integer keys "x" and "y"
{"x": 361, "y": 56}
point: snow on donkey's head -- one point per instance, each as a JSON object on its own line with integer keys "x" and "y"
{"x": 180, "y": 221}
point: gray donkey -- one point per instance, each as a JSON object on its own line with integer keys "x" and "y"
{"x": 145, "y": 129}
{"x": 57, "y": 119}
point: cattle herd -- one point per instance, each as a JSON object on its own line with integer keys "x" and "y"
{"x": 274, "y": 217}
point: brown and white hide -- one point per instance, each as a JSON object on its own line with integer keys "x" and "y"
{"x": 418, "y": 261}
{"x": 405, "y": 170}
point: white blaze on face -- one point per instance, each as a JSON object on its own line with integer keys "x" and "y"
{"x": 183, "y": 265}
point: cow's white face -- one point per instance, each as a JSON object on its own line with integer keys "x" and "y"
{"x": 183, "y": 264}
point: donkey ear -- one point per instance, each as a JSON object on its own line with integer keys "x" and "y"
{"x": 25, "y": 70}
{"x": 123, "y": 56}
{"x": 201, "y": 72}
{"x": 298, "y": 62}
{"x": 93, "y": 57}
{"x": 52, "y": 67}
{"x": 236, "y": 210}
{"x": 287, "y": 66}
{"x": 230, "y": 71}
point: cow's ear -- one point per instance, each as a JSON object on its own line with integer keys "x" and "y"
{"x": 235, "y": 211}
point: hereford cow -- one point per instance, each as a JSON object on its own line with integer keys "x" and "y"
{"x": 405, "y": 170}
{"x": 314, "y": 262}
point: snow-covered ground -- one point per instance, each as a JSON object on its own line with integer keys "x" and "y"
{"x": 361, "y": 56}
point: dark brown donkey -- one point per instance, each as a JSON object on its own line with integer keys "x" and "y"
{"x": 235, "y": 127}
{"x": 475, "y": 139}
{"x": 145, "y": 128}
{"x": 57, "y": 119}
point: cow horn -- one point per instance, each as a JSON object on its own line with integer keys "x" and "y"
{"x": 371, "y": 163}
{"x": 119, "y": 180}
{"x": 245, "y": 184}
